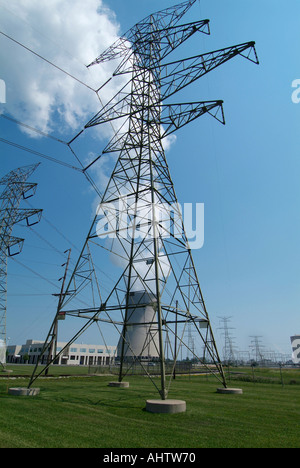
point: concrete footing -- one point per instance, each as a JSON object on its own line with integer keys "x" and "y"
{"x": 230, "y": 391}
{"x": 119, "y": 384}
{"x": 23, "y": 391}
{"x": 166, "y": 406}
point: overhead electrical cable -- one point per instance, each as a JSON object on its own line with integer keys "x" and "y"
{"x": 35, "y": 272}
{"x": 83, "y": 170}
{"x": 105, "y": 273}
{"x": 48, "y": 61}
{"x": 39, "y": 154}
{"x": 34, "y": 129}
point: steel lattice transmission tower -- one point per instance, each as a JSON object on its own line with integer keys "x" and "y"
{"x": 229, "y": 353}
{"x": 257, "y": 348}
{"x": 155, "y": 295}
{"x": 16, "y": 189}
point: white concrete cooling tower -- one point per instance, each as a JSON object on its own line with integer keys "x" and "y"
{"x": 2, "y": 352}
{"x": 141, "y": 335}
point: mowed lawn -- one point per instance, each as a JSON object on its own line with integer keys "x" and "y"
{"x": 83, "y": 412}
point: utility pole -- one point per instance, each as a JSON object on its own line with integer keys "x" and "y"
{"x": 52, "y": 347}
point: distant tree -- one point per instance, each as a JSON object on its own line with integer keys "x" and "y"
{"x": 26, "y": 358}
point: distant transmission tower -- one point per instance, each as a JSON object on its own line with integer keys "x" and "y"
{"x": 138, "y": 235}
{"x": 256, "y": 346}
{"x": 16, "y": 189}
{"x": 229, "y": 348}
{"x": 191, "y": 341}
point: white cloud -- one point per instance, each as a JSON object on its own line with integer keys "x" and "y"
{"x": 69, "y": 33}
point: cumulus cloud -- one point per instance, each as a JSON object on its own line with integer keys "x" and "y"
{"x": 69, "y": 33}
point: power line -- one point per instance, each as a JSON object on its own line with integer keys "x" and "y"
{"x": 88, "y": 177}
{"x": 34, "y": 129}
{"x": 35, "y": 272}
{"x": 47, "y": 61}
{"x": 66, "y": 239}
{"x": 51, "y": 158}
{"x": 49, "y": 39}
{"x": 39, "y": 154}
{"x": 29, "y": 295}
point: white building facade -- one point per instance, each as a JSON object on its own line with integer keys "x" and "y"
{"x": 76, "y": 354}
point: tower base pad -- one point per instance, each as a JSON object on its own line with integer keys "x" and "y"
{"x": 166, "y": 406}
{"x": 230, "y": 391}
{"x": 119, "y": 384}
{"x": 23, "y": 391}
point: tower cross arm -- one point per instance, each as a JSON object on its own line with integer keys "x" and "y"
{"x": 16, "y": 215}
{"x": 20, "y": 174}
{"x": 118, "y": 106}
{"x": 159, "y": 20}
{"x": 167, "y": 40}
{"x": 177, "y": 75}
{"x": 175, "y": 116}
{"x": 14, "y": 245}
{"x": 120, "y": 49}
{"x": 174, "y": 77}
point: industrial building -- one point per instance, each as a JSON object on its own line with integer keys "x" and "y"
{"x": 75, "y": 354}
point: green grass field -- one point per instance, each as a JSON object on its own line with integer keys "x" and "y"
{"x": 83, "y": 412}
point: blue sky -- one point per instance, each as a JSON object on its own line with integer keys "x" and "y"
{"x": 246, "y": 173}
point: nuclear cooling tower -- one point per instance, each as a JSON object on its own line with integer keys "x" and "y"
{"x": 141, "y": 339}
{"x": 2, "y": 352}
